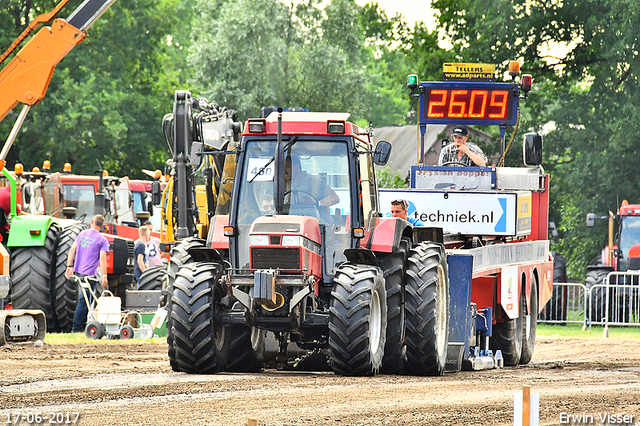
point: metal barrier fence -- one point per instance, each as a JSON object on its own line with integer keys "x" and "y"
{"x": 614, "y": 302}
{"x": 568, "y": 304}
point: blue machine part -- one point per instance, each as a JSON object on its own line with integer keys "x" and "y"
{"x": 460, "y": 269}
{"x": 484, "y": 326}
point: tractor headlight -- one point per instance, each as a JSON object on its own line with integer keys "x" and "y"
{"x": 259, "y": 240}
{"x": 292, "y": 240}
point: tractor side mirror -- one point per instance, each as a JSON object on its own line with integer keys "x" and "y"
{"x": 382, "y": 153}
{"x": 156, "y": 193}
{"x": 591, "y": 220}
{"x": 532, "y": 149}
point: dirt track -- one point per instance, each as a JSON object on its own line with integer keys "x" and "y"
{"x": 131, "y": 383}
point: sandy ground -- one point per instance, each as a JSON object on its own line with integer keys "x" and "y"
{"x": 131, "y": 383}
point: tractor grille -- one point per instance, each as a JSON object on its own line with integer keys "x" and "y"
{"x": 272, "y": 258}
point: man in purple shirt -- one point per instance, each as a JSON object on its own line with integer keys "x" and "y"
{"x": 89, "y": 251}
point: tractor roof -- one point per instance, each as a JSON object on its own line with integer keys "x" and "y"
{"x": 308, "y": 123}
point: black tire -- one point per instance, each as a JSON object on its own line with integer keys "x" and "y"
{"x": 241, "y": 348}
{"x": 530, "y": 323}
{"x": 179, "y": 257}
{"x": 66, "y": 291}
{"x": 357, "y": 320}
{"x": 31, "y": 276}
{"x": 508, "y": 336}
{"x": 94, "y": 330}
{"x": 126, "y": 332}
{"x": 598, "y": 295}
{"x": 427, "y": 310}
{"x": 192, "y": 316}
{"x": 393, "y": 267}
{"x": 151, "y": 278}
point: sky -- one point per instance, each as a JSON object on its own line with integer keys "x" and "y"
{"x": 412, "y": 10}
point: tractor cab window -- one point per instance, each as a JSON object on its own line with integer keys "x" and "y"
{"x": 629, "y": 236}
{"x": 368, "y": 188}
{"x": 316, "y": 183}
{"x": 123, "y": 206}
{"x": 82, "y": 198}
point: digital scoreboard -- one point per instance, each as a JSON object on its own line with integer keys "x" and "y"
{"x": 460, "y": 102}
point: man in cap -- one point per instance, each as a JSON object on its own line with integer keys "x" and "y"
{"x": 461, "y": 153}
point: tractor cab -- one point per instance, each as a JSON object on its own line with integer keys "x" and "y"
{"x": 300, "y": 193}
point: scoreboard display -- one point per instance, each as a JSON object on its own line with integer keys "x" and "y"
{"x": 479, "y": 103}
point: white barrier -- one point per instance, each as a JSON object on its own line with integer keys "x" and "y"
{"x": 575, "y": 303}
{"x": 619, "y": 293}
{"x": 568, "y": 304}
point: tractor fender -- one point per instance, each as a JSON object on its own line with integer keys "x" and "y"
{"x": 29, "y": 230}
{"x": 361, "y": 256}
{"x": 205, "y": 254}
{"x": 386, "y": 234}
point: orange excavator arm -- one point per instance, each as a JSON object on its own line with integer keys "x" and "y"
{"x": 26, "y": 77}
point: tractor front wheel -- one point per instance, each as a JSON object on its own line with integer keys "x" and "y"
{"x": 193, "y": 343}
{"x": 357, "y": 320}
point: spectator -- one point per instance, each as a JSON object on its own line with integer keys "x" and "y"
{"x": 88, "y": 256}
{"x": 139, "y": 264}
{"x": 152, "y": 248}
{"x": 399, "y": 209}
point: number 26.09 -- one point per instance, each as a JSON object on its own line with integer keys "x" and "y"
{"x": 462, "y": 103}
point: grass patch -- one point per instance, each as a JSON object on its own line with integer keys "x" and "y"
{"x": 81, "y": 339}
{"x": 575, "y": 331}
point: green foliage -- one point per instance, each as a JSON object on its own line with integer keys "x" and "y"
{"x": 387, "y": 179}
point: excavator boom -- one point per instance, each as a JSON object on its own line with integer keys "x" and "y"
{"x": 26, "y": 77}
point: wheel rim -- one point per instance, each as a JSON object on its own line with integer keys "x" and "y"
{"x": 375, "y": 322}
{"x": 441, "y": 322}
{"x": 93, "y": 331}
{"x": 255, "y": 338}
{"x": 220, "y": 336}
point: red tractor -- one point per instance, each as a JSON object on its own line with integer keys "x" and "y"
{"x": 299, "y": 248}
{"x": 618, "y": 263}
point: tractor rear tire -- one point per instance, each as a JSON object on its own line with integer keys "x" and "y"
{"x": 31, "y": 276}
{"x": 530, "y": 324}
{"x": 242, "y": 348}
{"x": 427, "y": 310}
{"x": 357, "y": 320}
{"x": 66, "y": 291}
{"x": 508, "y": 336}
{"x": 193, "y": 344}
{"x": 179, "y": 257}
{"x": 393, "y": 270}
{"x": 151, "y": 278}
